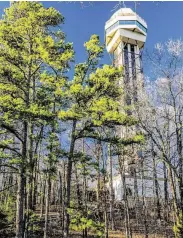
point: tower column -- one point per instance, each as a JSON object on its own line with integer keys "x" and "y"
{"x": 130, "y": 71}
{"x": 137, "y": 59}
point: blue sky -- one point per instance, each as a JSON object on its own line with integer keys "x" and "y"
{"x": 164, "y": 21}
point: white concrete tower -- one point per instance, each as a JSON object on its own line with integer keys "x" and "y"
{"x": 125, "y": 35}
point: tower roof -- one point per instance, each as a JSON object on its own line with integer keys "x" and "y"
{"x": 123, "y": 12}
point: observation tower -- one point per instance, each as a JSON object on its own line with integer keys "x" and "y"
{"x": 125, "y": 36}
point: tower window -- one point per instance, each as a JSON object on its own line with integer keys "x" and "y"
{"x": 126, "y": 22}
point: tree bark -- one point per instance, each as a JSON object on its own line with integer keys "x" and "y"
{"x": 20, "y": 205}
{"x": 144, "y": 203}
{"x": 158, "y": 206}
{"x": 166, "y": 214}
{"x": 111, "y": 188}
{"x": 47, "y": 198}
{"x": 126, "y": 210}
{"x": 20, "y": 226}
{"x": 98, "y": 154}
{"x": 69, "y": 174}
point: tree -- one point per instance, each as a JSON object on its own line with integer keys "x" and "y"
{"x": 161, "y": 116}
{"x": 34, "y": 58}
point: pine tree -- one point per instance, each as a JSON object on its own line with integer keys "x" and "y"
{"x": 94, "y": 103}
{"x": 33, "y": 60}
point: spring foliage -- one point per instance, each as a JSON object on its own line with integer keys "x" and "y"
{"x": 36, "y": 97}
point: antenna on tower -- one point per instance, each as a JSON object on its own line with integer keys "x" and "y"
{"x": 124, "y": 4}
{"x": 136, "y": 4}
{"x": 120, "y": 4}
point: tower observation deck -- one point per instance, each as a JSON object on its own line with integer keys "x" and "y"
{"x": 125, "y": 36}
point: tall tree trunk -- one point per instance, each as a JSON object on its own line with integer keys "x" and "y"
{"x": 166, "y": 213}
{"x": 180, "y": 170}
{"x": 156, "y": 185}
{"x": 60, "y": 198}
{"x": 126, "y": 210}
{"x": 35, "y": 185}
{"x": 98, "y": 154}
{"x": 47, "y": 198}
{"x": 20, "y": 205}
{"x": 64, "y": 197}
{"x": 20, "y": 226}
{"x": 43, "y": 188}
{"x": 174, "y": 194}
{"x": 105, "y": 195}
{"x": 29, "y": 187}
{"x": 111, "y": 188}
{"x": 69, "y": 174}
{"x": 79, "y": 198}
{"x": 144, "y": 202}
{"x": 85, "y": 231}
{"x": 37, "y": 152}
